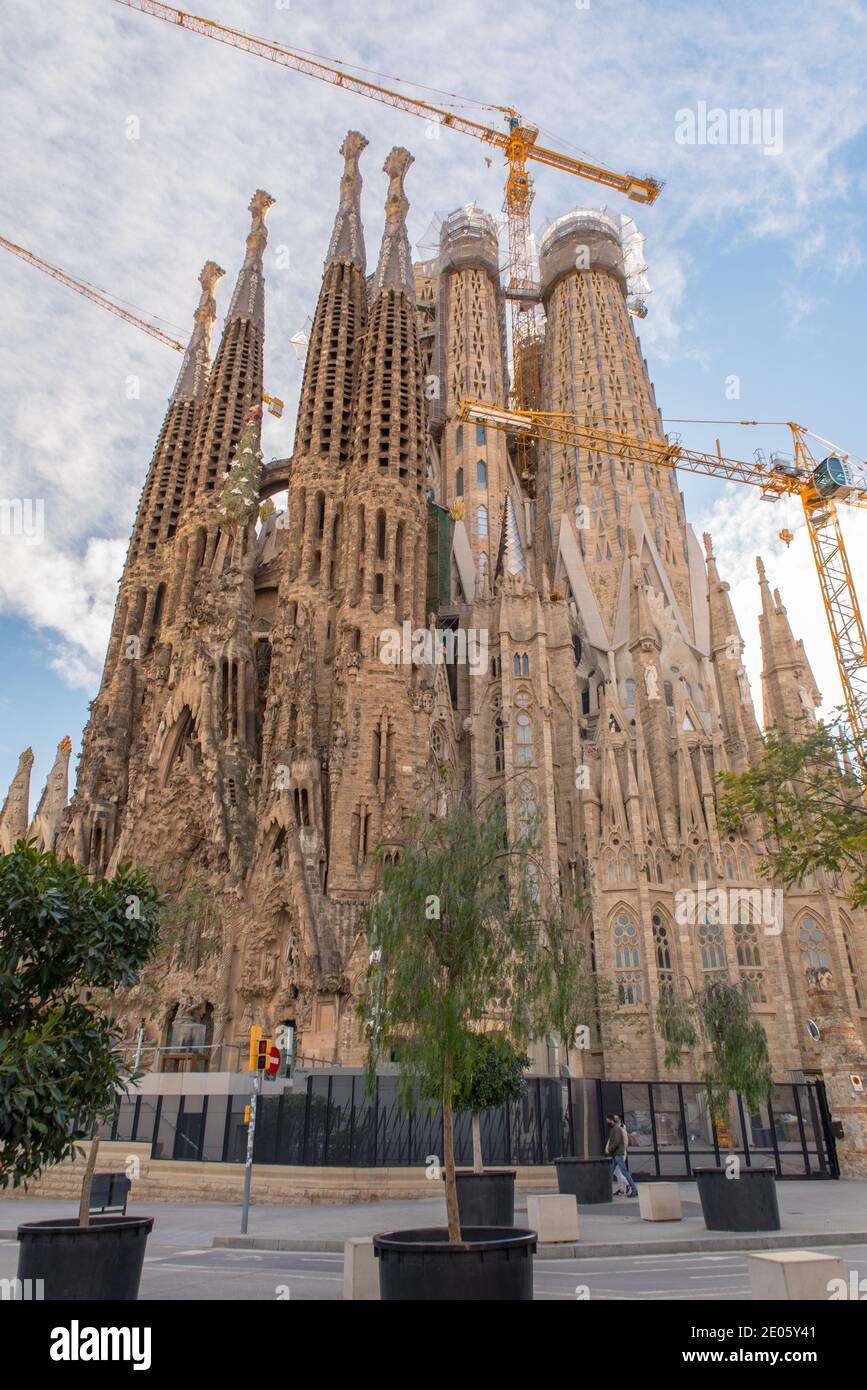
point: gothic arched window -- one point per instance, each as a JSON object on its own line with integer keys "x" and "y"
{"x": 482, "y": 521}
{"x": 481, "y": 475}
{"x": 524, "y": 740}
{"x": 811, "y": 939}
{"x": 853, "y": 969}
{"x": 664, "y": 959}
{"x": 749, "y": 957}
{"x": 499, "y": 745}
{"x": 627, "y": 961}
{"x": 713, "y": 951}
{"x": 459, "y": 483}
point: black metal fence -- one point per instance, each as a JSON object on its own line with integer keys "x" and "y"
{"x": 334, "y": 1123}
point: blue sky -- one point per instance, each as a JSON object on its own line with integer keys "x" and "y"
{"x": 755, "y": 259}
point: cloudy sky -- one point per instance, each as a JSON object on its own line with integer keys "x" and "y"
{"x": 131, "y": 149}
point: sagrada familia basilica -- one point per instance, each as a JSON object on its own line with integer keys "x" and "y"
{"x": 252, "y": 747}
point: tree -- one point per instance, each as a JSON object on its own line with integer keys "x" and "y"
{"x": 812, "y": 810}
{"x": 719, "y": 1016}
{"x": 62, "y": 936}
{"x": 460, "y": 935}
{"x": 495, "y": 1076}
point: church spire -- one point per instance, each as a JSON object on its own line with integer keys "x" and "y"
{"x": 248, "y": 300}
{"x": 323, "y": 430}
{"x": 789, "y": 691}
{"x": 235, "y": 382}
{"x": 48, "y": 820}
{"x": 394, "y": 270}
{"x": 510, "y": 557}
{"x": 193, "y": 376}
{"x": 347, "y": 239}
{"x": 740, "y": 729}
{"x": 14, "y": 815}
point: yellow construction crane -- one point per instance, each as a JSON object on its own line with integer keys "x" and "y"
{"x": 275, "y": 406}
{"x": 518, "y": 142}
{"x": 820, "y": 484}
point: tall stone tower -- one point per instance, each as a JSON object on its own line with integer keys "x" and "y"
{"x": 267, "y": 718}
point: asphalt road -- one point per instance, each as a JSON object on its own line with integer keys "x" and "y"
{"x": 201, "y": 1273}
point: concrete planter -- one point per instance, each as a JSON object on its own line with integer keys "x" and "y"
{"x": 491, "y": 1263}
{"x": 586, "y": 1179}
{"x": 486, "y": 1199}
{"x": 745, "y": 1203}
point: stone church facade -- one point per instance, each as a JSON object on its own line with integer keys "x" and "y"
{"x": 252, "y": 748}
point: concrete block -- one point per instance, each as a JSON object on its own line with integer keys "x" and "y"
{"x": 360, "y": 1269}
{"x": 553, "y": 1218}
{"x": 659, "y": 1201}
{"x": 794, "y": 1274}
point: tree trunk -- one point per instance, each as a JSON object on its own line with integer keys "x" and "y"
{"x": 453, "y": 1214}
{"x": 84, "y": 1204}
{"x": 478, "y": 1165}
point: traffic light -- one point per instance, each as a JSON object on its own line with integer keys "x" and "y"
{"x": 263, "y": 1053}
{"x": 255, "y": 1035}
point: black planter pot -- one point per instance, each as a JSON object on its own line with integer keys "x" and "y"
{"x": 486, "y": 1199}
{"x": 587, "y": 1179}
{"x": 492, "y": 1262}
{"x": 745, "y": 1203}
{"x": 83, "y": 1263}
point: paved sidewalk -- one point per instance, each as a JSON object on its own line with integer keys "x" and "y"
{"x": 812, "y": 1213}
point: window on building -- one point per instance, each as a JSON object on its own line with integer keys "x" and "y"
{"x": 811, "y": 939}
{"x": 480, "y": 434}
{"x": 459, "y": 439}
{"x": 499, "y": 745}
{"x": 526, "y": 808}
{"x": 482, "y": 521}
{"x": 853, "y": 969}
{"x": 713, "y": 950}
{"x": 627, "y": 961}
{"x": 481, "y": 475}
{"x": 459, "y": 483}
{"x": 750, "y": 960}
{"x": 524, "y": 740}
{"x": 630, "y": 691}
{"x": 664, "y": 959}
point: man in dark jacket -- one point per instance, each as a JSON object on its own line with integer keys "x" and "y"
{"x": 616, "y": 1148}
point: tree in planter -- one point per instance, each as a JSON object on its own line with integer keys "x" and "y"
{"x": 812, "y": 812}
{"x": 495, "y": 1076}
{"x": 718, "y": 1016}
{"x": 572, "y": 999}
{"x": 62, "y": 936}
{"x": 459, "y": 932}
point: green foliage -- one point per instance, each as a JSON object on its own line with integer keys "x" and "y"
{"x": 62, "y": 936}
{"x": 814, "y": 816}
{"x": 463, "y": 931}
{"x": 495, "y": 1073}
{"x": 719, "y": 1015}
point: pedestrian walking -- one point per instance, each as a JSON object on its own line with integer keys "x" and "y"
{"x": 616, "y": 1148}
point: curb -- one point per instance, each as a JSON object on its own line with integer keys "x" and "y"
{"x": 600, "y": 1249}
